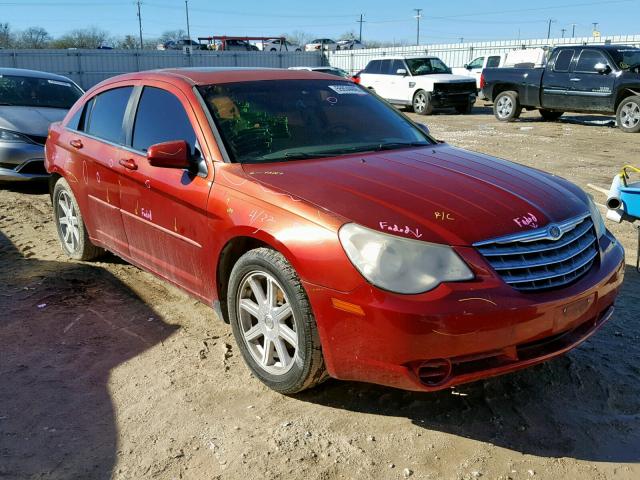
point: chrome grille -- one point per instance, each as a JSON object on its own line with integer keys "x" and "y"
{"x": 534, "y": 260}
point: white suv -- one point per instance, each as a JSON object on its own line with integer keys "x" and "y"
{"x": 423, "y": 83}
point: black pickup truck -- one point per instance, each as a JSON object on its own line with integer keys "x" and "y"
{"x": 587, "y": 79}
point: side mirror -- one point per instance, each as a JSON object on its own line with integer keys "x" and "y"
{"x": 466, "y": 65}
{"x": 602, "y": 68}
{"x": 174, "y": 154}
{"x": 401, "y": 71}
{"x": 423, "y": 127}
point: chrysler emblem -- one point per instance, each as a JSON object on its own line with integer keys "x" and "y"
{"x": 554, "y": 232}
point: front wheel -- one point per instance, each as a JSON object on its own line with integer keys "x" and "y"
{"x": 422, "y": 103}
{"x": 628, "y": 114}
{"x": 72, "y": 231}
{"x": 550, "y": 115}
{"x": 273, "y": 323}
{"x": 506, "y": 107}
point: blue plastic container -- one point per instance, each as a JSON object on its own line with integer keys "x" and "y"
{"x": 630, "y": 197}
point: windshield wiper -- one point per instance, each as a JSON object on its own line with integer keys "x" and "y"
{"x": 379, "y": 147}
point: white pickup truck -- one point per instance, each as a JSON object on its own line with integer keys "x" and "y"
{"x": 424, "y": 83}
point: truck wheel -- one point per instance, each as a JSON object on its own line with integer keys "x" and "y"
{"x": 273, "y": 323}
{"x": 507, "y": 106}
{"x": 550, "y": 115}
{"x": 422, "y": 103}
{"x": 628, "y": 114}
{"x": 72, "y": 231}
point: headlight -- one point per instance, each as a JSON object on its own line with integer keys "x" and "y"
{"x": 596, "y": 216}
{"x": 12, "y": 137}
{"x": 401, "y": 265}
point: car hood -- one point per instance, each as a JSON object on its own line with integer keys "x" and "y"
{"x": 30, "y": 120}
{"x": 439, "y": 194}
{"x": 443, "y": 78}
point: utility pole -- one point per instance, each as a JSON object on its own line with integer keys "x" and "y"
{"x": 573, "y": 30}
{"x": 186, "y": 7}
{"x": 461, "y": 39}
{"x": 361, "y": 21}
{"x": 563, "y": 30}
{"x": 418, "y": 16}
{"x": 140, "y": 23}
{"x": 549, "y": 29}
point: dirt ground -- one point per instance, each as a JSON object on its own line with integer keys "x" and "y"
{"x": 107, "y": 372}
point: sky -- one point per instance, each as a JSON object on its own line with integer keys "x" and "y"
{"x": 393, "y": 21}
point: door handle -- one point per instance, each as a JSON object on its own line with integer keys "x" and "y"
{"x": 128, "y": 163}
{"x": 76, "y": 143}
{"x": 574, "y": 79}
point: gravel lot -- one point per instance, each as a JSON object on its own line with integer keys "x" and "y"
{"x": 106, "y": 372}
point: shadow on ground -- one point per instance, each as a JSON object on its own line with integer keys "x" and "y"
{"x": 583, "y": 405}
{"x": 64, "y": 326}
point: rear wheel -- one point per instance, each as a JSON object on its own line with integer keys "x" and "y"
{"x": 550, "y": 115}
{"x": 628, "y": 114}
{"x": 422, "y": 103}
{"x": 506, "y": 106}
{"x": 273, "y": 323}
{"x": 72, "y": 231}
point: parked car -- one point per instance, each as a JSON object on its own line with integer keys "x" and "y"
{"x": 423, "y": 83}
{"x": 335, "y": 235}
{"x": 29, "y": 102}
{"x": 321, "y": 44}
{"x": 181, "y": 44}
{"x": 277, "y": 45}
{"x": 589, "y": 79}
{"x": 338, "y": 72}
{"x": 351, "y": 44}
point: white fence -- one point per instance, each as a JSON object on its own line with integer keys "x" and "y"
{"x": 88, "y": 67}
{"x": 457, "y": 54}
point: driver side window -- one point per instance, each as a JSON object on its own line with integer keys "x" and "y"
{"x": 161, "y": 118}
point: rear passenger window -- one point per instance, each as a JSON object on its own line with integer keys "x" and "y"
{"x": 385, "y": 67}
{"x": 107, "y": 114}
{"x": 493, "y": 62}
{"x": 373, "y": 67}
{"x": 161, "y": 118}
{"x": 563, "y": 60}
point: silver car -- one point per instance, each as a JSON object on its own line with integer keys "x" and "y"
{"x": 29, "y": 102}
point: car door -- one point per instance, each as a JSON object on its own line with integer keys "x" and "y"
{"x": 98, "y": 146}
{"x": 556, "y": 81}
{"x": 397, "y": 83}
{"x": 370, "y": 77}
{"x": 385, "y": 83}
{"x": 164, "y": 209}
{"x": 591, "y": 89}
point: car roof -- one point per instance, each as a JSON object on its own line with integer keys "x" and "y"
{"x": 208, "y": 75}
{"x": 22, "y": 72}
{"x": 604, "y": 47}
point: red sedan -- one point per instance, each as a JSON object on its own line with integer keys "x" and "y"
{"x": 335, "y": 235}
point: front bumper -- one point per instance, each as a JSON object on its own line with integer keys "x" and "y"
{"x": 443, "y": 100}
{"x": 460, "y": 332}
{"x": 22, "y": 162}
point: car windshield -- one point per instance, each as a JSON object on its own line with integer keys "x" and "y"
{"x": 276, "y": 120}
{"x": 37, "y": 92}
{"x": 626, "y": 57}
{"x": 426, "y": 66}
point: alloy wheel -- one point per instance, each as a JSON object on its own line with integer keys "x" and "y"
{"x": 68, "y": 222}
{"x": 267, "y": 322}
{"x": 504, "y": 107}
{"x": 420, "y": 103}
{"x": 630, "y": 115}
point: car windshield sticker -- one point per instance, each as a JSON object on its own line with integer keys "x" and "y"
{"x": 56, "y": 82}
{"x": 347, "y": 89}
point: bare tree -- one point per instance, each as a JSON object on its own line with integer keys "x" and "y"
{"x": 297, "y": 37}
{"x": 6, "y": 37}
{"x": 128, "y": 42}
{"x": 34, "y": 37}
{"x": 172, "y": 36}
{"x": 350, "y": 35}
{"x": 82, "y": 38}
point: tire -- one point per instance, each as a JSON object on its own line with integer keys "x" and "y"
{"x": 273, "y": 50}
{"x": 628, "y": 114}
{"x": 294, "y": 360}
{"x": 421, "y": 103}
{"x": 70, "y": 226}
{"x": 465, "y": 109}
{"x": 506, "y": 106}
{"x": 550, "y": 115}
